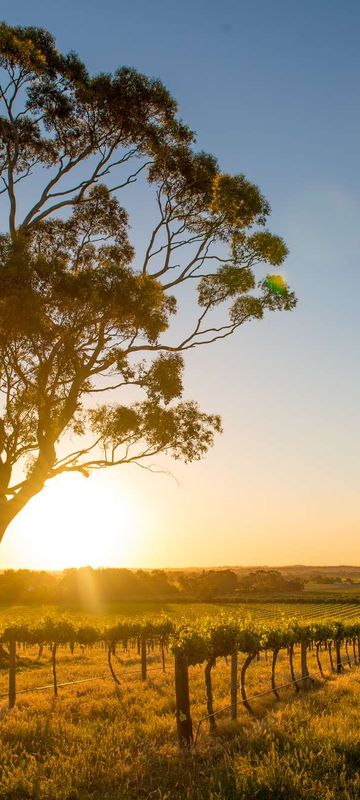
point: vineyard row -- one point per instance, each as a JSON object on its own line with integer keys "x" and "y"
{"x": 193, "y": 643}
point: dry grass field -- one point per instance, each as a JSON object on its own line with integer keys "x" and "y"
{"x": 97, "y": 741}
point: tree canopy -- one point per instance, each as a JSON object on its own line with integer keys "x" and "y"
{"x": 82, "y": 315}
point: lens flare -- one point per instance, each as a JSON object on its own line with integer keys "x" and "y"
{"x": 276, "y": 283}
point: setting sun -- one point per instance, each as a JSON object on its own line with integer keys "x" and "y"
{"x": 76, "y": 522}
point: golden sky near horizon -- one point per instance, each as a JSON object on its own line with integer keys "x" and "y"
{"x": 105, "y": 521}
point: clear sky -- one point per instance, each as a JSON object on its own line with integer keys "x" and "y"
{"x": 272, "y": 89}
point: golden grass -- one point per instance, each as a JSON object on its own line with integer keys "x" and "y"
{"x": 97, "y": 743}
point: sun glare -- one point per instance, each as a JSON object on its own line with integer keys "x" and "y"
{"x": 76, "y": 522}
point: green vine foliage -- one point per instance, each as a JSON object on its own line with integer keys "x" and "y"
{"x": 199, "y": 640}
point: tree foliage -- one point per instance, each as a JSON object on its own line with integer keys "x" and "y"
{"x": 82, "y": 313}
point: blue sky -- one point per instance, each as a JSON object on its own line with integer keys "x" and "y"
{"x": 272, "y": 89}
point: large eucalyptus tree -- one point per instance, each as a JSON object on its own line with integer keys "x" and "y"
{"x": 83, "y": 315}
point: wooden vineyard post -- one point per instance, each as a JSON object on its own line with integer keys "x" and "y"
{"x": 304, "y": 666}
{"x": 12, "y": 673}
{"x": 234, "y": 684}
{"x": 143, "y": 658}
{"x": 209, "y": 695}
{"x": 183, "y": 718}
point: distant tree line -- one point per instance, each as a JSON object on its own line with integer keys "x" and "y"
{"x": 269, "y": 580}
{"x": 113, "y": 585}
{"x": 330, "y": 579}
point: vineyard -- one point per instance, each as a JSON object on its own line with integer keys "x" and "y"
{"x": 265, "y": 654}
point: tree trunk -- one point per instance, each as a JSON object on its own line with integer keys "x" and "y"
{"x": 45, "y": 460}
{"x": 9, "y": 509}
{"x": 331, "y": 657}
{"x": 4, "y": 520}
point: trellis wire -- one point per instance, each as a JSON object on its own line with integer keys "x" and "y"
{"x": 81, "y": 680}
{"x": 51, "y": 685}
{"x": 241, "y": 702}
{"x": 253, "y": 697}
